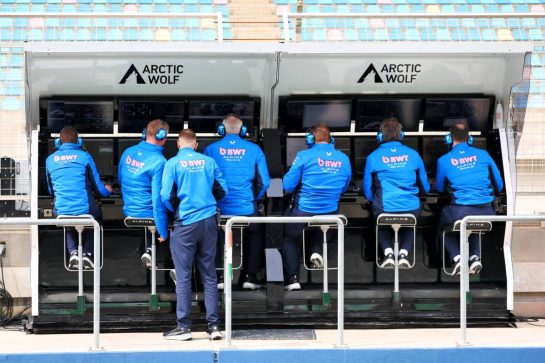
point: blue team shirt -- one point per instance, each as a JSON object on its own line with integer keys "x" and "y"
{"x": 394, "y": 175}
{"x": 318, "y": 176}
{"x": 192, "y": 183}
{"x": 469, "y": 175}
{"x": 73, "y": 179}
{"x": 244, "y": 168}
{"x": 140, "y": 172}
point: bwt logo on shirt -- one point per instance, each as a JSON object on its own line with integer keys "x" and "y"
{"x": 466, "y": 160}
{"x": 133, "y": 162}
{"x": 186, "y": 163}
{"x": 330, "y": 163}
{"x": 237, "y": 152}
{"x": 394, "y": 159}
{"x": 57, "y": 158}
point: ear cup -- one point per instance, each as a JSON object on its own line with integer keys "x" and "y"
{"x": 144, "y": 133}
{"x": 470, "y": 140}
{"x": 331, "y": 140}
{"x": 401, "y": 136}
{"x": 57, "y": 142}
{"x": 380, "y": 137}
{"x": 161, "y": 134}
{"x": 448, "y": 139}
{"x": 309, "y": 139}
{"x": 243, "y": 131}
{"x": 221, "y": 129}
{"x": 79, "y": 142}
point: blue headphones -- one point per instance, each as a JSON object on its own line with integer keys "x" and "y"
{"x": 310, "y": 139}
{"x": 242, "y": 133}
{"x": 380, "y": 136}
{"x": 448, "y": 139}
{"x": 58, "y": 142}
{"x": 160, "y": 135}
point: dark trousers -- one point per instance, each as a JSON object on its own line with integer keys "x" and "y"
{"x": 386, "y": 233}
{"x": 293, "y": 232}
{"x": 196, "y": 240}
{"x": 87, "y": 237}
{"x": 254, "y": 244}
{"x": 451, "y": 214}
{"x": 148, "y": 239}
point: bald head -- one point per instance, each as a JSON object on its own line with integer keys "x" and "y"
{"x": 187, "y": 138}
{"x": 459, "y": 133}
{"x": 232, "y": 124}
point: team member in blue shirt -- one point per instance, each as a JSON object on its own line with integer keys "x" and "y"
{"x": 74, "y": 182}
{"x": 471, "y": 178}
{"x": 140, "y": 173}
{"x": 317, "y": 178}
{"x": 192, "y": 183}
{"x": 394, "y": 176}
{"x": 244, "y": 167}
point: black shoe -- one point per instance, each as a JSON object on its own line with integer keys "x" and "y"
{"x": 214, "y": 333}
{"x": 389, "y": 261}
{"x": 146, "y": 258}
{"x": 88, "y": 263}
{"x": 73, "y": 262}
{"x": 475, "y": 265}
{"x": 220, "y": 281}
{"x": 178, "y": 334}
{"x": 251, "y": 282}
{"x": 403, "y": 261}
{"x": 292, "y": 283}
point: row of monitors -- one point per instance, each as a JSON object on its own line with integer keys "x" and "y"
{"x": 358, "y": 148}
{"x": 92, "y": 117}
{"x": 438, "y": 112}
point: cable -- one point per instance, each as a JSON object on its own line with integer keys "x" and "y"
{"x": 6, "y": 301}
{"x": 530, "y": 320}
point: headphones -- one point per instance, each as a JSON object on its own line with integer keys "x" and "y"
{"x": 58, "y": 142}
{"x": 160, "y": 135}
{"x": 310, "y": 139}
{"x": 448, "y": 139}
{"x": 221, "y": 130}
{"x": 380, "y": 135}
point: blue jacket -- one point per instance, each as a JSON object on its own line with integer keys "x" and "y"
{"x": 72, "y": 178}
{"x": 469, "y": 175}
{"x": 140, "y": 172}
{"x": 393, "y": 177}
{"x": 192, "y": 183}
{"x": 318, "y": 176}
{"x": 244, "y": 167}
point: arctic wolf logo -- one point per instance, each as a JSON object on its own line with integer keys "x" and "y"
{"x": 368, "y": 71}
{"x": 131, "y": 73}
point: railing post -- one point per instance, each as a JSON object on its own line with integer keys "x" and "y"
{"x": 340, "y": 283}
{"x": 227, "y": 275}
{"x": 220, "y": 26}
{"x": 464, "y": 274}
{"x": 286, "y": 26}
{"x": 96, "y": 286}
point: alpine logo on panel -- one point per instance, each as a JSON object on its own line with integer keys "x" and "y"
{"x": 393, "y": 73}
{"x": 153, "y": 74}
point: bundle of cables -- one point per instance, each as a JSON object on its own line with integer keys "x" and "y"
{"x": 6, "y": 301}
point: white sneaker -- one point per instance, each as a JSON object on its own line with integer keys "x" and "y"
{"x": 403, "y": 261}
{"x": 88, "y": 262}
{"x": 475, "y": 265}
{"x": 317, "y": 261}
{"x": 146, "y": 259}
{"x": 172, "y": 274}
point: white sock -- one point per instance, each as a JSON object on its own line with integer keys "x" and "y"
{"x": 388, "y": 251}
{"x": 404, "y": 251}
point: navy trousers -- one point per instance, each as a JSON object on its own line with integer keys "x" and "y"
{"x": 87, "y": 237}
{"x": 386, "y": 233}
{"x": 254, "y": 244}
{"x": 293, "y": 232}
{"x": 195, "y": 241}
{"x": 451, "y": 214}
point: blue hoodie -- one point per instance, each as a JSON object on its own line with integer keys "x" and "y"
{"x": 192, "y": 183}
{"x": 140, "y": 172}
{"x": 318, "y": 176}
{"x": 244, "y": 167}
{"x": 393, "y": 177}
{"x": 469, "y": 175}
{"x": 72, "y": 178}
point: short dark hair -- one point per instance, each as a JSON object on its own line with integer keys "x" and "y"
{"x": 187, "y": 135}
{"x": 69, "y": 134}
{"x": 322, "y": 133}
{"x": 154, "y": 126}
{"x": 391, "y": 129}
{"x": 459, "y": 132}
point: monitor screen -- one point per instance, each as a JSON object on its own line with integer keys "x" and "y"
{"x": 336, "y": 115}
{"x": 88, "y": 117}
{"x": 205, "y": 115}
{"x": 171, "y": 148}
{"x": 202, "y": 143}
{"x": 102, "y": 151}
{"x": 441, "y": 113}
{"x": 343, "y": 144}
{"x": 371, "y": 112}
{"x": 134, "y": 115}
{"x": 433, "y": 147}
{"x": 293, "y": 146}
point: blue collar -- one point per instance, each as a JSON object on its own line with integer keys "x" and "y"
{"x": 460, "y": 146}
{"x": 68, "y": 145}
{"x": 323, "y": 146}
{"x": 185, "y": 150}
{"x": 390, "y": 144}
{"x": 232, "y": 136}
{"x": 151, "y": 147}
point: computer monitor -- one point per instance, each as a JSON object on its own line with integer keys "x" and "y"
{"x": 202, "y": 143}
{"x": 479, "y": 142}
{"x": 370, "y": 112}
{"x": 433, "y": 147}
{"x": 102, "y": 151}
{"x": 134, "y": 114}
{"x": 300, "y": 115}
{"x": 293, "y": 146}
{"x": 343, "y": 144}
{"x": 441, "y": 113}
{"x": 205, "y": 115}
{"x": 88, "y": 117}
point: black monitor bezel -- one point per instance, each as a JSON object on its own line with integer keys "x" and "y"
{"x": 120, "y": 123}
{"x": 458, "y": 97}
{"x": 251, "y": 122}
{"x": 44, "y": 113}
{"x": 359, "y": 101}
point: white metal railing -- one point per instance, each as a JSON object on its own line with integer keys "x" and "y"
{"x": 228, "y": 263}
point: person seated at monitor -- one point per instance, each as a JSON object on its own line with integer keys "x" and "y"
{"x": 317, "y": 178}
{"x": 394, "y": 176}
{"x": 140, "y": 174}
{"x": 471, "y": 178}
{"x": 244, "y": 168}
{"x": 73, "y": 180}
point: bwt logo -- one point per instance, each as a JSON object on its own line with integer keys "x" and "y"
{"x": 57, "y": 158}
{"x": 224, "y": 151}
{"x": 395, "y": 159}
{"x": 469, "y": 159}
{"x": 133, "y": 162}
{"x": 154, "y": 74}
{"x": 392, "y": 73}
{"x": 330, "y": 163}
{"x": 187, "y": 163}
